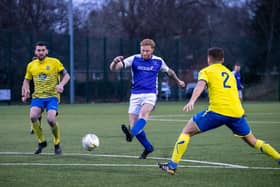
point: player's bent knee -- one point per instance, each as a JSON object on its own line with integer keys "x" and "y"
{"x": 190, "y": 128}
{"x": 34, "y": 118}
{"x": 51, "y": 121}
{"x": 250, "y": 140}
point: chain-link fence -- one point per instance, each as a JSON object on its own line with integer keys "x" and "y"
{"x": 95, "y": 83}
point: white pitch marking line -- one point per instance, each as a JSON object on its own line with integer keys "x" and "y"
{"x": 169, "y": 120}
{"x": 187, "y": 115}
{"x": 130, "y": 165}
{"x": 211, "y": 164}
{"x": 76, "y": 164}
{"x": 170, "y": 115}
{"x": 181, "y": 120}
{"x": 263, "y": 122}
{"x": 127, "y": 156}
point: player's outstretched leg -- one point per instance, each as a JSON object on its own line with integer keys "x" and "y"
{"x": 268, "y": 150}
{"x": 145, "y": 153}
{"x": 136, "y": 129}
{"x": 142, "y": 138}
{"x": 262, "y": 146}
{"x": 166, "y": 167}
{"x": 127, "y": 133}
{"x": 178, "y": 151}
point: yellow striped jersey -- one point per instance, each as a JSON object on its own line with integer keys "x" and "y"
{"x": 222, "y": 90}
{"x": 45, "y": 75}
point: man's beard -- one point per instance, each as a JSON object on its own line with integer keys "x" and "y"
{"x": 41, "y": 57}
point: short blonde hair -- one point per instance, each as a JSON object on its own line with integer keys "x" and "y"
{"x": 149, "y": 42}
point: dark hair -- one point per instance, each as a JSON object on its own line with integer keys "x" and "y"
{"x": 41, "y": 43}
{"x": 216, "y": 53}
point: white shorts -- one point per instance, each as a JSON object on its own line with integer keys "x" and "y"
{"x": 136, "y": 101}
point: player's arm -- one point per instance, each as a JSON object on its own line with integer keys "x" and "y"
{"x": 200, "y": 86}
{"x": 117, "y": 64}
{"x": 65, "y": 78}
{"x": 173, "y": 75}
{"x": 25, "y": 90}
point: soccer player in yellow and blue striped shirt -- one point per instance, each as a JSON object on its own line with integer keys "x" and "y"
{"x": 224, "y": 108}
{"x": 45, "y": 73}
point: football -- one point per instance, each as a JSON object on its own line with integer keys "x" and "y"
{"x": 90, "y": 142}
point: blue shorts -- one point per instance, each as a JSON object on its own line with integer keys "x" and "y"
{"x": 207, "y": 120}
{"x": 50, "y": 103}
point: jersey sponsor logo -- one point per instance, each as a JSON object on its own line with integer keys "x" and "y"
{"x": 48, "y": 68}
{"x": 42, "y": 76}
{"x": 144, "y": 68}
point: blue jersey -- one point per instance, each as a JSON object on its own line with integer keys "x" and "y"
{"x": 145, "y": 73}
{"x": 238, "y": 79}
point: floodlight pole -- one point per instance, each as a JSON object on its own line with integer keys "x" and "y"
{"x": 209, "y": 31}
{"x": 71, "y": 56}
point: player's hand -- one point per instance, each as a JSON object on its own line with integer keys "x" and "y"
{"x": 118, "y": 59}
{"x": 24, "y": 99}
{"x": 59, "y": 88}
{"x": 181, "y": 84}
{"x": 188, "y": 107}
{"x": 25, "y": 94}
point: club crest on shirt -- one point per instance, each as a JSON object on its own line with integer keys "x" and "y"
{"x": 48, "y": 68}
{"x": 42, "y": 76}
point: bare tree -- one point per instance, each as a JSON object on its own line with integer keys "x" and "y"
{"x": 33, "y": 15}
{"x": 266, "y": 27}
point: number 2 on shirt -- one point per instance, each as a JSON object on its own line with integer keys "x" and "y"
{"x": 226, "y": 75}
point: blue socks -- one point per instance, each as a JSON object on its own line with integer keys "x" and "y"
{"x": 138, "y": 126}
{"x": 140, "y": 134}
{"x": 172, "y": 164}
{"x": 141, "y": 137}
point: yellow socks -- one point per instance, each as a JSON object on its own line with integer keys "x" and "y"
{"x": 56, "y": 134}
{"x": 180, "y": 147}
{"x": 38, "y": 131}
{"x": 267, "y": 149}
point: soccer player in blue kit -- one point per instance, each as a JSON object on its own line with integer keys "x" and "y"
{"x": 144, "y": 68}
{"x": 236, "y": 73}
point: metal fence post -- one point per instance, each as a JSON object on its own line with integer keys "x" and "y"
{"x": 121, "y": 72}
{"x": 9, "y": 75}
{"x": 177, "y": 57}
{"x": 105, "y": 58}
{"x": 87, "y": 68}
{"x": 278, "y": 86}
